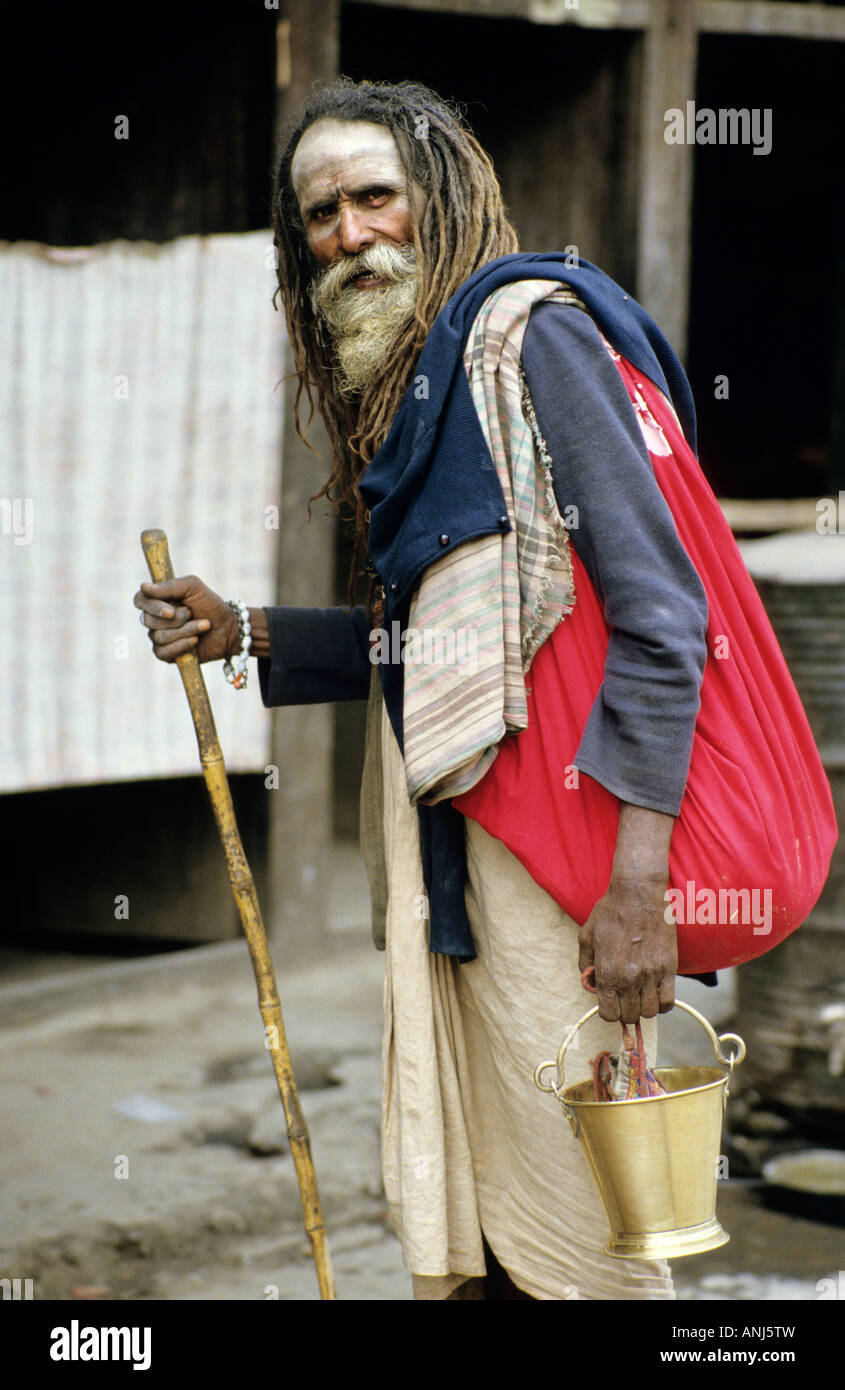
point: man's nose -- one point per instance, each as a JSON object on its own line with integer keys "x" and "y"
{"x": 353, "y": 234}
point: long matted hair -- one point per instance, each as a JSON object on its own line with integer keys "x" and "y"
{"x": 464, "y": 226}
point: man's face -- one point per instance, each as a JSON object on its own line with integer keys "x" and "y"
{"x": 357, "y": 210}
{"x": 351, "y": 189}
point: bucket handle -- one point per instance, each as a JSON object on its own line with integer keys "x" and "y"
{"x": 733, "y": 1058}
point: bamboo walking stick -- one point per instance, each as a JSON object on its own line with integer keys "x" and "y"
{"x": 243, "y": 887}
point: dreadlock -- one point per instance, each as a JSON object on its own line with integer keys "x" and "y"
{"x": 464, "y": 226}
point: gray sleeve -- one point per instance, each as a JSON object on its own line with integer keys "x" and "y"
{"x": 316, "y": 655}
{"x": 638, "y": 738}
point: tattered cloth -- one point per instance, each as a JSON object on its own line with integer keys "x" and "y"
{"x": 481, "y": 613}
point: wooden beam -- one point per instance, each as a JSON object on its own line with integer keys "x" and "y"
{"x": 300, "y": 821}
{"x": 666, "y": 171}
{"x": 764, "y": 18}
{"x": 587, "y": 14}
{"x": 771, "y": 19}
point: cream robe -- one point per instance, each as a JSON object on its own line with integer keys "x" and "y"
{"x": 469, "y": 1143}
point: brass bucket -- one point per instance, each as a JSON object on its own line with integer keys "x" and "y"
{"x": 654, "y": 1159}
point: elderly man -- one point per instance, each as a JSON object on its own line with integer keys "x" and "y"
{"x": 472, "y": 401}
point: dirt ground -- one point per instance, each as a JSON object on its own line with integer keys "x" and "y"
{"x": 144, "y": 1154}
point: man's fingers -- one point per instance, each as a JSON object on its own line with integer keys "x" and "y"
{"x": 630, "y": 1006}
{"x": 163, "y": 599}
{"x": 164, "y": 615}
{"x": 156, "y": 607}
{"x": 174, "y": 649}
{"x": 166, "y": 636}
{"x": 666, "y": 994}
{"x": 608, "y": 1002}
{"x": 169, "y": 589}
{"x": 586, "y": 956}
{"x": 649, "y": 1001}
{"x": 650, "y": 987}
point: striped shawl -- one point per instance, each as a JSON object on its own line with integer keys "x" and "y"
{"x": 479, "y": 615}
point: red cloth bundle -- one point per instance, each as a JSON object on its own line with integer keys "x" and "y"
{"x": 752, "y": 844}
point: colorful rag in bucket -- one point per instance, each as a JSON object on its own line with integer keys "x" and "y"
{"x": 623, "y": 1075}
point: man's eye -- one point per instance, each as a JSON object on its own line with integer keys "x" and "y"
{"x": 375, "y": 195}
{"x": 325, "y": 210}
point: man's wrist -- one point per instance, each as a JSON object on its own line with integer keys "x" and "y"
{"x": 641, "y": 860}
{"x": 260, "y": 636}
{"x": 260, "y": 633}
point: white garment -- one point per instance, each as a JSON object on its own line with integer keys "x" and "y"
{"x": 469, "y": 1142}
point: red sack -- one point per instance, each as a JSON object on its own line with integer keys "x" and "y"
{"x": 751, "y": 847}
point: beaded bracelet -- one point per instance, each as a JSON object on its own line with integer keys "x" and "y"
{"x": 235, "y": 670}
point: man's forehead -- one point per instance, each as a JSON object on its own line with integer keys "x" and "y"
{"x": 331, "y": 152}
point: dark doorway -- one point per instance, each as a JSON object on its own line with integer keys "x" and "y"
{"x": 768, "y": 265}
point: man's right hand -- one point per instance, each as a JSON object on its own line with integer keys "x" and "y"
{"x": 183, "y": 615}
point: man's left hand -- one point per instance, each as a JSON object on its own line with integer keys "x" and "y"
{"x": 634, "y": 952}
{"x": 626, "y": 936}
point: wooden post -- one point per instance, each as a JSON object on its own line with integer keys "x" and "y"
{"x": 307, "y": 51}
{"x": 300, "y": 820}
{"x": 666, "y": 171}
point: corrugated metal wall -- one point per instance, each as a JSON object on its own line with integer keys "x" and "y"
{"x": 138, "y": 387}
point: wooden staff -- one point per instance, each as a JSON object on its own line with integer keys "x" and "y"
{"x": 243, "y": 887}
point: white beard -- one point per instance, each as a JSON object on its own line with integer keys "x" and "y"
{"x": 364, "y": 322}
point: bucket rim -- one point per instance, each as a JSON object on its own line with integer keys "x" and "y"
{"x": 730, "y": 1060}
{"x": 564, "y": 1098}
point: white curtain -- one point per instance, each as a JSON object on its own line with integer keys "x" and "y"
{"x": 139, "y": 387}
